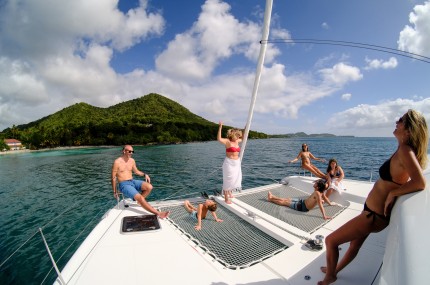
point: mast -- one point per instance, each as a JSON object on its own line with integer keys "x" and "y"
{"x": 263, "y": 47}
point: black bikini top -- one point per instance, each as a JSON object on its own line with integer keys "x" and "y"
{"x": 384, "y": 172}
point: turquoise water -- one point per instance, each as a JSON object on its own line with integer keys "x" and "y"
{"x": 66, "y": 192}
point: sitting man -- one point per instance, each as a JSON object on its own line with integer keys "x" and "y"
{"x": 304, "y": 205}
{"x": 200, "y": 212}
{"x": 122, "y": 171}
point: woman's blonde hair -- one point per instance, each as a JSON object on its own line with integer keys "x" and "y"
{"x": 419, "y": 136}
{"x": 234, "y": 134}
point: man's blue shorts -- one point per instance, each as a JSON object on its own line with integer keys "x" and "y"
{"x": 130, "y": 188}
{"x": 193, "y": 214}
{"x": 298, "y": 204}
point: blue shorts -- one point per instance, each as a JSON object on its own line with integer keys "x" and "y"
{"x": 130, "y": 188}
{"x": 298, "y": 204}
{"x": 193, "y": 214}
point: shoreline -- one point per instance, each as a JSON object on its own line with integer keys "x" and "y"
{"x": 49, "y": 149}
{"x": 88, "y": 146}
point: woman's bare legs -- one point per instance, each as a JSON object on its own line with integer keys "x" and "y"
{"x": 314, "y": 170}
{"x": 356, "y": 231}
{"x": 349, "y": 256}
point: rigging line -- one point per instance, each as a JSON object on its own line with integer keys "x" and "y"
{"x": 195, "y": 182}
{"x": 79, "y": 234}
{"x": 1, "y": 265}
{"x": 345, "y": 42}
{"x": 187, "y": 194}
{"x": 57, "y": 216}
{"x": 261, "y": 173}
{"x": 354, "y": 44}
{"x": 94, "y": 245}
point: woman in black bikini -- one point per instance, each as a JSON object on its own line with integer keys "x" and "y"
{"x": 400, "y": 175}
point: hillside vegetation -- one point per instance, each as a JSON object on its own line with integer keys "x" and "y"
{"x": 148, "y": 119}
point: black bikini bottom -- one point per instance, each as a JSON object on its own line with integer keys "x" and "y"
{"x": 373, "y": 214}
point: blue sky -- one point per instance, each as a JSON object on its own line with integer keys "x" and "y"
{"x": 203, "y": 55}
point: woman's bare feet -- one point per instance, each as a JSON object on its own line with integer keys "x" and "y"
{"x": 327, "y": 280}
{"x": 323, "y": 269}
{"x": 227, "y": 196}
{"x": 269, "y": 196}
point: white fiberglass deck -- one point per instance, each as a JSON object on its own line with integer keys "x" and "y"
{"x": 177, "y": 254}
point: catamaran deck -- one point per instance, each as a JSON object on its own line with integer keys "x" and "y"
{"x": 258, "y": 243}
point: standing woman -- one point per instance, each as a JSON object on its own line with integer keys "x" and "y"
{"x": 231, "y": 168}
{"x": 401, "y": 174}
{"x": 334, "y": 178}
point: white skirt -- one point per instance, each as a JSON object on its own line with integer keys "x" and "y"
{"x": 231, "y": 174}
{"x": 339, "y": 187}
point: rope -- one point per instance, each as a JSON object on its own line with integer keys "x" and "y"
{"x": 67, "y": 249}
{"x": 1, "y": 265}
{"x": 195, "y": 182}
{"x": 36, "y": 232}
{"x": 262, "y": 174}
{"x": 10, "y": 256}
{"x": 352, "y": 44}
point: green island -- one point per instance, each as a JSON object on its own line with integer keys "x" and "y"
{"x": 150, "y": 119}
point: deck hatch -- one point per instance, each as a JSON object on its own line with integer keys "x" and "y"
{"x": 234, "y": 243}
{"x": 142, "y": 223}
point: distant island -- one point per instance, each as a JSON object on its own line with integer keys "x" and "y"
{"x": 150, "y": 119}
{"x": 304, "y": 135}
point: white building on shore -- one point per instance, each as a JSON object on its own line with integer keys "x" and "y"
{"x": 14, "y": 144}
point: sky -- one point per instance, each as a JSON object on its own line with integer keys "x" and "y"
{"x": 203, "y": 55}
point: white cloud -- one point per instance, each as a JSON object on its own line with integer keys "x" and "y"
{"x": 19, "y": 83}
{"x": 56, "y": 53}
{"x": 194, "y": 54}
{"x": 375, "y": 120}
{"x": 72, "y": 63}
{"x": 341, "y": 74}
{"x": 49, "y": 60}
{"x": 44, "y": 26}
{"x": 416, "y": 38}
{"x": 379, "y": 63}
{"x": 346, "y": 96}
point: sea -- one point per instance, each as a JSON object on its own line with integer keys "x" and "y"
{"x": 61, "y": 194}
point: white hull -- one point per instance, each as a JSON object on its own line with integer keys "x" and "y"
{"x": 169, "y": 256}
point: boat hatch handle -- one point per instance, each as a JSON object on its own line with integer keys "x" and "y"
{"x": 52, "y": 258}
